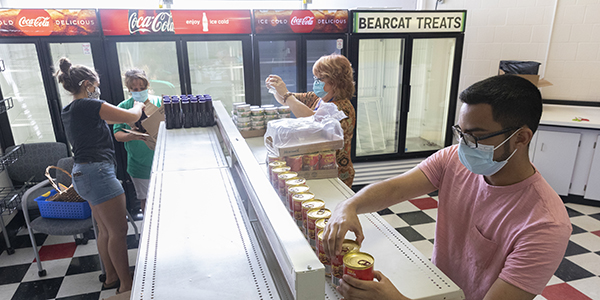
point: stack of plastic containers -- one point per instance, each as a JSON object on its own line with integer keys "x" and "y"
{"x": 248, "y": 117}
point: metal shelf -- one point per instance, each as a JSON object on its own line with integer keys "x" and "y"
{"x": 6, "y": 104}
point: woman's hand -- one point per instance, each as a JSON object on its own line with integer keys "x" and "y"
{"x": 274, "y": 81}
{"x": 354, "y": 289}
{"x": 140, "y": 104}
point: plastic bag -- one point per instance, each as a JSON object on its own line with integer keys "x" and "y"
{"x": 319, "y": 132}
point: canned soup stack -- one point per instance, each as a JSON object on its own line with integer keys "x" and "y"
{"x": 247, "y": 117}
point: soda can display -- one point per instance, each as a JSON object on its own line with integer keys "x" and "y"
{"x": 312, "y": 216}
{"x": 307, "y": 206}
{"x": 298, "y": 199}
{"x": 320, "y": 226}
{"x": 337, "y": 262}
{"x": 295, "y": 162}
{"x": 359, "y": 265}
{"x": 298, "y": 181}
{"x": 310, "y": 162}
{"x": 323, "y": 258}
{"x": 274, "y": 164}
{"x": 282, "y": 178}
{"x": 295, "y": 190}
{"x": 275, "y": 175}
{"x": 327, "y": 160}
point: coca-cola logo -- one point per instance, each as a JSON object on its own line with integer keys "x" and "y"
{"x": 302, "y": 21}
{"x": 34, "y": 22}
{"x": 159, "y": 23}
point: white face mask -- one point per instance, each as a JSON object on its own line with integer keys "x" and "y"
{"x": 480, "y": 160}
{"x": 95, "y": 94}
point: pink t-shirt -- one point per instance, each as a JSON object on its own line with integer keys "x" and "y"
{"x": 518, "y": 232}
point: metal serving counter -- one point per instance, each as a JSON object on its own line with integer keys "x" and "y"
{"x": 214, "y": 228}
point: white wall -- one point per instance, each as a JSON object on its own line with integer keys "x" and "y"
{"x": 567, "y": 42}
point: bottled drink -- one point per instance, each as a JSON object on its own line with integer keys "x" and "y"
{"x": 204, "y": 22}
{"x": 187, "y": 112}
{"x": 210, "y": 118}
{"x": 202, "y": 110}
{"x": 168, "y": 112}
{"x": 176, "y": 112}
{"x": 194, "y": 105}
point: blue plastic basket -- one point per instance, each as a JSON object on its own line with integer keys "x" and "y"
{"x": 62, "y": 210}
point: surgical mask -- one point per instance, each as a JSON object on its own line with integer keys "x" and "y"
{"x": 140, "y": 96}
{"x": 480, "y": 160}
{"x": 95, "y": 94}
{"x": 318, "y": 86}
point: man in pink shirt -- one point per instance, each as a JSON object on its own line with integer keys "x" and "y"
{"x": 501, "y": 230}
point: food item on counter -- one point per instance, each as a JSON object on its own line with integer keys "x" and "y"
{"x": 320, "y": 226}
{"x": 274, "y": 164}
{"x": 271, "y": 111}
{"x": 306, "y": 207}
{"x": 275, "y": 175}
{"x": 327, "y": 160}
{"x": 298, "y": 199}
{"x": 295, "y": 162}
{"x": 359, "y": 265}
{"x": 295, "y": 190}
{"x": 282, "y": 178}
{"x": 284, "y": 109}
{"x": 294, "y": 182}
{"x": 323, "y": 258}
{"x": 312, "y": 216}
{"x": 337, "y": 262}
{"x": 310, "y": 162}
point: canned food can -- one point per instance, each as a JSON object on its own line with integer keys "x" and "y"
{"x": 242, "y": 108}
{"x": 282, "y": 178}
{"x": 275, "y": 175}
{"x": 337, "y": 262}
{"x": 257, "y": 112}
{"x": 310, "y": 162}
{"x": 327, "y": 161}
{"x": 295, "y": 190}
{"x": 295, "y": 162}
{"x": 271, "y": 158}
{"x": 312, "y": 216}
{"x": 298, "y": 199}
{"x": 359, "y": 265}
{"x": 267, "y": 105}
{"x": 320, "y": 226}
{"x": 323, "y": 258}
{"x": 307, "y": 206}
{"x": 274, "y": 164}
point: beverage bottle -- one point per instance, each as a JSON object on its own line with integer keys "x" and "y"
{"x": 168, "y": 112}
{"x": 204, "y": 22}
{"x": 201, "y": 110}
{"x": 194, "y": 108}
{"x": 176, "y": 112}
{"x": 210, "y": 119}
{"x": 187, "y": 113}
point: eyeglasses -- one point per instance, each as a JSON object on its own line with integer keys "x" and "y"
{"x": 317, "y": 78}
{"x": 472, "y": 141}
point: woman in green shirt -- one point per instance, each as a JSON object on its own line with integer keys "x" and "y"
{"x": 139, "y": 156}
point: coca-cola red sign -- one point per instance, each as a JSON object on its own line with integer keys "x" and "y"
{"x": 34, "y": 22}
{"x": 302, "y": 21}
{"x": 45, "y": 22}
{"x": 150, "y": 21}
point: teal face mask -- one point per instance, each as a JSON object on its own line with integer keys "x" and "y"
{"x": 480, "y": 160}
{"x": 140, "y": 96}
{"x": 318, "y": 88}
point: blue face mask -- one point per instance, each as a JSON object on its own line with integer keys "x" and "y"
{"x": 481, "y": 159}
{"x": 318, "y": 88}
{"x": 140, "y": 96}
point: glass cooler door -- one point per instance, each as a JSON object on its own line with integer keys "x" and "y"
{"x": 277, "y": 57}
{"x": 314, "y": 50}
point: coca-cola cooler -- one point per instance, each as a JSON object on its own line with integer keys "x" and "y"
{"x": 407, "y": 66}
{"x": 288, "y": 43}
{"x": 32, "y": 41}
{"x": 182, "y": 51}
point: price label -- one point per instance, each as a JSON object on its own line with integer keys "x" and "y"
{"x": 340, "y": 43}
{"x": 87, "y": 48}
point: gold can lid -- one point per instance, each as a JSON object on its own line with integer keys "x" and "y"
{"x": 287, "y": 175}
{"x": 318, "y": 213}
{"x": 314, "y": 203}
{"x": 358, "y": 260}
{"x": 295, "y": 181}
{"x": 276, "y": 163}
{"x": 349, "y": 246}
{"x": 321, "y": 223}
{"x": 320, "y": 235}
{"x": 281, "y": 169}
{"x": 303, "y": 196}
{"x": 298, "y": 189}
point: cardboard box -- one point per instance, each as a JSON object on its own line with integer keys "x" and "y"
{"x": 151, "y": 123}
{"x": 318, "y": 174}
{"x": 253, "y": 133}
{"x": 305, "y": 148}
{"x": 535, "y": 79}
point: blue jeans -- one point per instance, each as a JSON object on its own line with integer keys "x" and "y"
{"x": 96, "y": 182}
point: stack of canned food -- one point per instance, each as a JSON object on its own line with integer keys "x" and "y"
{"x": 311, "y": 216}
{"x": 247, "y": 117}
{"x": 324, "y": 160}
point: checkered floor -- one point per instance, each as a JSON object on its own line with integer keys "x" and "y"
{"x": 73, "y": 270}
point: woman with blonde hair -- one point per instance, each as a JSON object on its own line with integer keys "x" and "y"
{"x": 334, "y": 83}
{"x": 85, "y": 120}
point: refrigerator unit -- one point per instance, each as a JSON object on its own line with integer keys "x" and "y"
{"x": 407, "y": 66}
{"x": 288, "y": 43}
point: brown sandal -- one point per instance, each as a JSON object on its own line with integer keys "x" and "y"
{"x": 114, "y": 284}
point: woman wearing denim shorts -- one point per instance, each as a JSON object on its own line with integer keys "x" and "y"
{"x": 85, "y": 121}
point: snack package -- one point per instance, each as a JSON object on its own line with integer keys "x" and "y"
{"x": 319, "y": 132}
